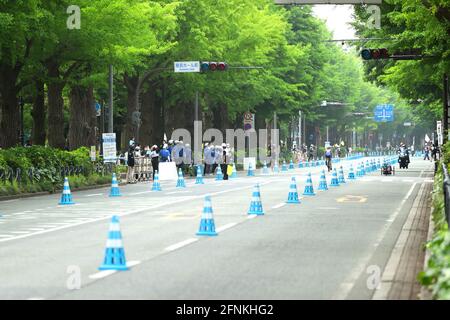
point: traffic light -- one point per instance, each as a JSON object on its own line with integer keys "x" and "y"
{"x": 213, "y": 66}
{"x": 375, "y": 54}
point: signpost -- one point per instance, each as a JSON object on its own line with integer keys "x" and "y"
{"x": 384, "y": 113}
{"x": 93, "y": 153}
{"x": 439, "y": 132}
{"x": 249, "y": 121}
{"x": 186, "y": 66}
{"x": 109, "y": 147}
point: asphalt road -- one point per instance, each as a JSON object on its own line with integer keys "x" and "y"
{"x": 319, "y": 249}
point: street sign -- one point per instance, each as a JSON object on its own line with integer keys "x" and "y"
{"x": 93, "y": 153}
{"x": 439, "y": 132}
{"x": 407, "y": 124}
{"x": 187, "y": 66}
{"x": 98, "y": 109}
{"x": 384, "y": 113}
{"x": 249, "y": 121}
{"x": 109, "y": 147}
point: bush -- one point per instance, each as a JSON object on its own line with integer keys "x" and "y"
{"x": 46, "y": 164}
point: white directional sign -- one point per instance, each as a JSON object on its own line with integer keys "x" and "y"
{"x": 109, "y": 147}
{"x": 187, "y": 66}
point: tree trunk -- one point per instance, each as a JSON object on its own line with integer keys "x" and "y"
{"x": 38, "y": 114}
{"x": 56, "y": 137}
{"x": 10, "y": 121}
{"x": 82, "y": 118}
{"x": 130, "y": 129}
{"x": 147, "y": 129}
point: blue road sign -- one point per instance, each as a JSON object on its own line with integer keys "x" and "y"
{"x": 384, "y": 113}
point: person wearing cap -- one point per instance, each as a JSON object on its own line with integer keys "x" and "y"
{"x": 224, "y": 164}
{"x": 209, "y": 155}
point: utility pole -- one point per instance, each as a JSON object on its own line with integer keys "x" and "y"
{"x": 299, "y": 130}
{"x": 196, "y": 106}
{"x": 111, "y": 100}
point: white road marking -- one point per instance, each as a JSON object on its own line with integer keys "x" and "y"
{"x": 20, "y": 232}
{"x": 279, "y": 205}
{"x": 225, "y": 227}
{"x": 177, "y": 192}
{"x": 408, "y": 180}
{"x": 138, "y": 193}
{"x": 251, "y": 216}
{"x": 327, "y": 208}
{"x": 180, "y": 244}
{"x": 94, "y": 195}
{"x": 36, "y": 298}
{"x": 5, "y": 236}
{"x": 105, "y": 273}
{"x": 36, "y": 229}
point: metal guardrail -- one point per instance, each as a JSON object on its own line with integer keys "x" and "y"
{"x": 446, "y": 187}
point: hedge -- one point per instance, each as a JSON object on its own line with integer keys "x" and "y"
{"x": 41, "y": 169}
{"x": 436, "y": 276}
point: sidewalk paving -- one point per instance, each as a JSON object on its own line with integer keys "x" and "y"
{"x": 399, "y": 279}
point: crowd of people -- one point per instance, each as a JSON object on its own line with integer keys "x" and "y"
{"x": 143, "y": 162}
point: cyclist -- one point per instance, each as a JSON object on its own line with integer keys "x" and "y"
{"x": 328, "y": 156}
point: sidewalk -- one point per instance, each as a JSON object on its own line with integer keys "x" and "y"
{"x": 399, "y": 279}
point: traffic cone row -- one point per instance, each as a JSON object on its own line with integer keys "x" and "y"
{"x": 284, "y": 167}
{"x": 115, "y": 255}
{"x": 234, "y": 172}
{"x": 351, "y": 174}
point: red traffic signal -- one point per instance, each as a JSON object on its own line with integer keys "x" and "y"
{"x": 213, "y": 66}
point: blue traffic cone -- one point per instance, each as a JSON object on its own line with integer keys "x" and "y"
{"x": 378, "y": 164}
{"x": 284, "y": 167}
{"x": 313, "y": 164}
{"x": 300, "y": 164}
{"x": 309, "y": 189}
{"x": 115, "y": 192}
{"x": 180, "y": 181}
{"x": 276, "y": 169}
{"x": 341, "y": 175}
{"x": 323, "y": 182}
{"x": 291, "y": 165}
{"x": 367, "y": 168}
{"x": 293, "y": 193}
{"x": 351, "y": 174}
{"x": 363, "y": 172}
{"x": 256, "y": 204}
{"x": 334, "y": 179}
{"x": 219, "y": 174}
{"x": 199, "y": 178}
{"x": 114, "y": 254}
{"x": 207, "y": 225}
{"x": 307, "y": 164}
{"x": 234, "y": 172}
{"x": 374, "y": 165}
{"x": 250, "y": 172}
{"x": 156, "y": 185}
{"x": 66, "y": 197}
{"x": 265, "y": 170}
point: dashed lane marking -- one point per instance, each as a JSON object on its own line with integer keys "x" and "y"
{"x": 279, "y": 205}
{"x": 105, "y": 273}
{"x": 180, "y": 244}
{"x": 225, "y": 227}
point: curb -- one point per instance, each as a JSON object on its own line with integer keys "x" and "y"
{"x": 44, "y": 193}
{"x": 425, "y": 294}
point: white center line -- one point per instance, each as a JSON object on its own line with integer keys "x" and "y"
{"x": 180, "y": 244}
{"x": 225, "y": 227}
{"x": 279, "y": 205}
{"x": 94, "y": 195}
{"x": 105, "y": 273}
